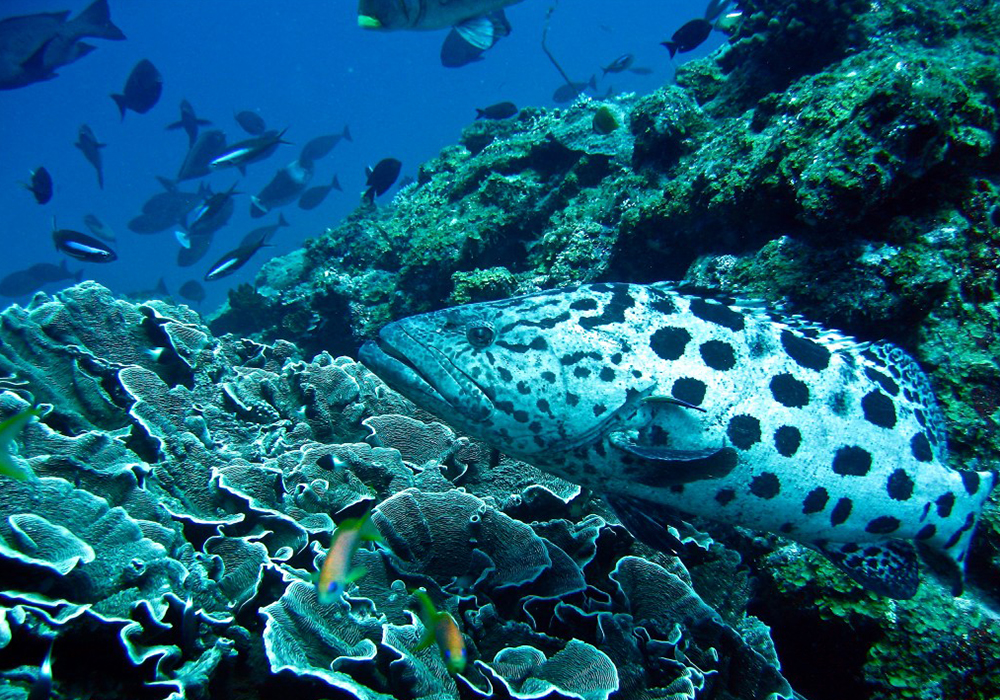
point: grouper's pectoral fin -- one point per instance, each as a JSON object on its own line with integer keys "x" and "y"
{"x": 654, "y": 465}
{"x": 886, "y": 568}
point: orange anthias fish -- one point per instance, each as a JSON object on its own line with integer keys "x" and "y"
{"x": 441, "y": 627}
{"x": 336, "y": 572}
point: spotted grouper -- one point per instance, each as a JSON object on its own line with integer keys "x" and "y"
{"x": 673, "y": 405}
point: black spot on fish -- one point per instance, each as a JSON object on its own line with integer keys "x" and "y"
{"x": 669, "y": 342}
{"x": 572, "y": 399}
{"x": 879, "y": 409}
{"x": 787, "y": 528}
{"x": 717, "y": 313}
{"x": 970, "y": 520}
{"x": 616, "y": 359}
{"x": 815, "y": 500}
{"x": 789, "y": 391}
{"x": 787, "y": 439}
{"x": 921, "y": 418}
{"x": 599, "y": 409}
{"x": 607, "y": 375}
{"x": 689, "y": 390}
{"x": 664, "y": 304}
{"x": 725, "y": 496}
{"x": 539, "y": 441}
{"x": 614, "y": 310}
{"x": 505, "y": 406}
{"x": 852, "y": 461}
{"x": 921, "y": 448}
{"x": 806, "y": 353}
{"x": 718, "y": 355}
{"x": 521, "y": 416}
{"x": 575, "y": 357}
{"x": 926, "y": 532}
{"x": 543, "y": 405}
{"x": 550, "y": 377}
{"x": 535, "y": 427}
{"x": 765, "y": 485}
{"x": 523, "y": 388}
{"x": 538, "y": 343}
{"x": 971, "y": 482}
{"x": 584, "y": 305}
{"x": 677, "y": 488}
{"x": 900, "y": 485}
{"x": 505, "y": 374}
{"x": 888, "y": 385}
{"x": 945, "y": 503}
{"x": 581, "y": 372}
{"x": 841, "y": 512}
{"x": 883, "y": 525}
{"x": 743, "y": 431}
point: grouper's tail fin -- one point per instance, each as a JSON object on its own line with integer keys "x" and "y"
{"x": 946, "y": 552}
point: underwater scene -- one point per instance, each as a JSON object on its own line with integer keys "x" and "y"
{"x": 500, "y": 349}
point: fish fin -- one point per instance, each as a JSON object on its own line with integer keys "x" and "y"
{"x": 34, "y": 65}
{"x": 347, "y": 133}
{"x": 671, "y": 47}
{"x": 96, "y": 21}
{"x": 120, "y": 101}
{"x": 243, "y": 171}
{"x": 671, "y": 400}
{"x": 886, "y": 568}
{"x": 354, "y": 574}
{"x": 203, "y": 122}
{"x": 658, "y": 466}
{"x": 657, "y": 525}
{"x": 282, "y": 221}
{"x": 174, "y": 126}
{"x": 335, "y": 184}
{"x": 477, "y": 32}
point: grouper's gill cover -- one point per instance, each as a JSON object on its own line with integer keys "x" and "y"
{"x": 667, "y": 403}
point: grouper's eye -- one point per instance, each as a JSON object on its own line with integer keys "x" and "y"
{"x": 479, "y": 335}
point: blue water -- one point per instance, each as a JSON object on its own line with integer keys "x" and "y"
{"x": 304, "y": 65}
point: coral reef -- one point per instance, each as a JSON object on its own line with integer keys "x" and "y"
{"x": 184, "y": 490}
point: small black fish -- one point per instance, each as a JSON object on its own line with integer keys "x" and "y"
{"x": 81, "y": 246}
{"x": 619, "y": 64}
{"x": 567, "y": 92}
{"x": 263, "y": 232}
{"x": 99, "y": 228}
{"x": 189, "y": 121}
{"x": 250, "y": 122}
{"x": 213, "y": 213}
{"x": 206, "y": 149}
{"x": 380, "y": 178}
{"x": 91, "y": 149}
{"x": 24, "y": 282}
{"x": 142, "y": 89}
{"x": 321, "y": 145}
{"x": 285, "y": 187}
{"x": 243, "y": 153}
{"x": 689, "y": 37}
{"x": 233, "y": 260}
{"x": 314, "y": 196}
{"x": 501, "y": 110}
{"x": 641, "y": 70}
{"x": 33, "y": 47}
{"x": 192, "y": 291}
{"x": 40, "y": 185}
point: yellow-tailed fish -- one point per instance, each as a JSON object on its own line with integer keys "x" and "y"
{"x": 441, "y": 627}
{"x": 336, "y": 572}
{"x": 9, "y": 429}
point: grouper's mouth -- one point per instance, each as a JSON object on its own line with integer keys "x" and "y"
{"x": 425, "y": 375}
